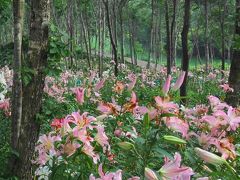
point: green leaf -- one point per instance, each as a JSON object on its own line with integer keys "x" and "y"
{"x": 146, "y": 123}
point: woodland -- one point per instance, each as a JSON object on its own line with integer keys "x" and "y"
{"x": 120, "y": 89}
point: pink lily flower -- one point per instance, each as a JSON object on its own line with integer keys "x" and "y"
{"x": 102, "y": 138}
{"x": 57, "y": 123}
{"x": 213, "y": 121}
{"x": 88, "y": 150}
{"x": 216, "y": 104}
{"x": 179, "y": 81}
{"x": 70, "y": 148}
{"x": 82, "y": 122}
{"x": 226, "y": 88}
{"x": 99, "y": 85}
{"x": 226, "y": 148}
{"x": 133, "y": 80}
{"x": 107, "y": 176}
{"x": 46, "y": 148}
{"x": 166, "y": 86}
{"x": 133, "y": 98}
{"x": 177, "y": 125}
{"x": 233, "y": 119}
{"x": 152, "y": 113}
{"x": 172, "y": 169}
{"x": 79, "y": 92}
{"x": 5, "y": 105}
{"x": 47, "y": 142}
{"x": 92, "y": 76}
{"x": 108, "y": 108}
{"x": 165, "y": 105}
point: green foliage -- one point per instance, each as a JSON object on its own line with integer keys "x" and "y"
{"x": 58, "y": 51}
{"x": 5, "y": 133}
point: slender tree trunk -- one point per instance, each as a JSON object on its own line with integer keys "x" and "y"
{"x": 88, "y": 33}
{"x": 234, "y": 77}
{"x": 134, "y": 41}
{"x": 100, "y": 24}
{"x": 168, "y": 38}
{"x": 85, "y": 40}
{"x": 122, "y": 35}
{"x": 173, "y": 33}
{"x": 206, "y": 35}
{"x": 222, "y": 23}
{"x": 185, "y": 57}
{"x": 18, "y": 14}
{"x": 33, "y": 90}
{"x": 130, "y": 42}
{"x": 113, "y": 43}
{"x": 70, "y": 29}
{"x": 103, "y": 37}
{"x": 157, "y": 39}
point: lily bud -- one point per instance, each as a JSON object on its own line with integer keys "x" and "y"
{"x": 166, "y": 86}
{"x": 118, "y": 132}
{"x": 209, "y": 157}
{"x": 101, "y": 117}
{"x": 150, "y": 174}
{"x": 174, "y": 140}
{"x": 179, "y": 81}
{"x": 125, "y": 145}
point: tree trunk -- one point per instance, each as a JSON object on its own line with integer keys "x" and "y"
{"x": 222, "y": 23}
{"x": 130, "y": 41}
{"x": 206, "y": 35}
{"x": 85, "y": 40}
{"x": 113, "y": 43}
{"x": 122, "y": 35}
{"x": 173, "y": 33}
{"x": 134, "y": 41}
{"x": 100, "y": 24}
{"x": 18, "y": 14}
{"x": 168, "y": 39}
{"x": 33, "y": 89}
{"x": 185, "y": 57}
{"x": 234, "y": 77}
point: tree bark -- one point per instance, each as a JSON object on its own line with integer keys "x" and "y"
{"x": 33, "y": 89}
{"x": 18, "y": 14}
{"x": 168, "y": 38}
{"x": 222, "y": 23}
{"x": 206, "y": 35}
{"x": 185, "y": 57}
{"x": 173, "y": 33}
{"x": 113, "y": 43}
{"x": 100, "y": 25}
{"x": 122, "y": 35}
{"x": 234, "y": 77}
{"x": 85, "y": 36}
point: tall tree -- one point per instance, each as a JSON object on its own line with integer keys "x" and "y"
{"x": 121, "y": 5}
{"x": 173, "y": 33}
{"x": 222, "y": 24}
{"x": 234, "y": 77}
{"x": 111, "y": 35}
{"x": 35, "y": 65}
{"x": 18, "y": 14}
{"x": 185, "y": 56}
{"x": 168, "y": 37}
{"x": 206, "y": 34}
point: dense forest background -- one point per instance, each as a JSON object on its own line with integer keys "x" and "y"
{"x": 147, "y": 30}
